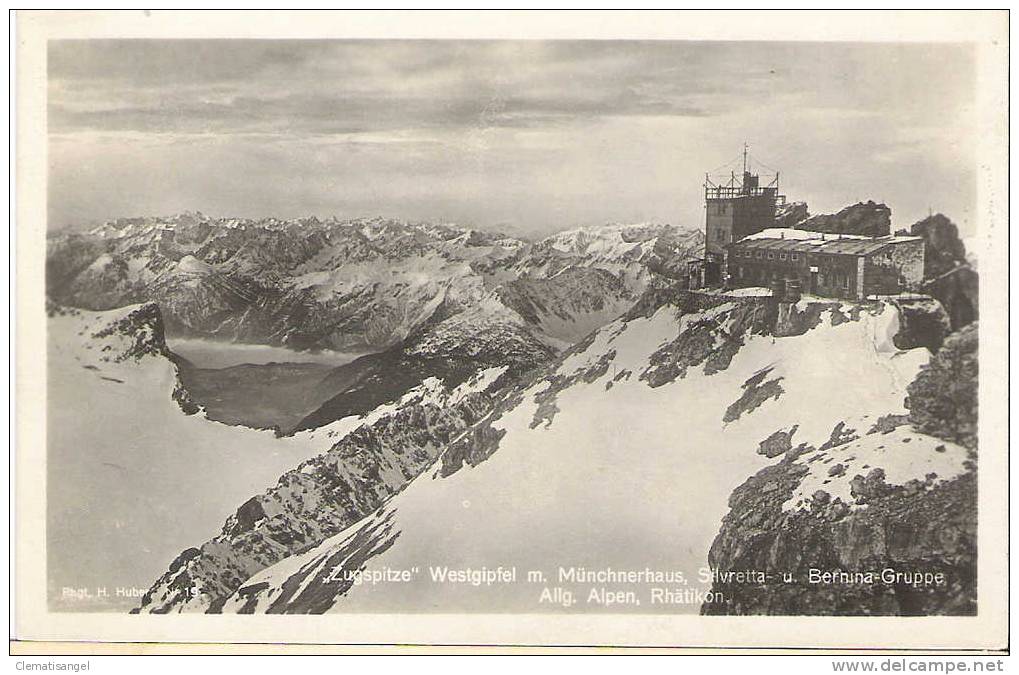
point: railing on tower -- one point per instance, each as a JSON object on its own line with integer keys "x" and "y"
{"x": 744, "y": 184}
{"x": 712, "y": 191}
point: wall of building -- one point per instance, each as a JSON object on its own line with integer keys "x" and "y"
{"x": 760, "y": 270}
{"x": 718, "y": 227}
{"x": 752, "y": 214}
{"x": 895, "y": 269}
{"x": 836, "y": 275}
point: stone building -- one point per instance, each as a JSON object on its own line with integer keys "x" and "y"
{"x": 830, "y": 265}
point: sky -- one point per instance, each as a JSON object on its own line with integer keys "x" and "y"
{"x": 526, "y": 137}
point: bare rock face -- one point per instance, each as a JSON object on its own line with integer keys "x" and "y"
{"x": 866, "y": 218}
{"x": 923, "y": 322}
{"x": 958, "y": 290}
{"x": 948, "y": 274}
{"x": 144, "y": 331}
{"x": 778, "y": 443}
{"x": 906, "y": 529}
{"x": 942, "y": 400}
{"x": 944, "y": 248}
{"x": 791, "y": 214}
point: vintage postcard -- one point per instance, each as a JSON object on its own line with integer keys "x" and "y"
{"x": 633, "y": 329}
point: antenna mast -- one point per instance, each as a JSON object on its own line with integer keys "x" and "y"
{"x": 745, "y": 148}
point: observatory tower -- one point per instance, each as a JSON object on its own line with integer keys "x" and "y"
{"x": 735, "y": 206}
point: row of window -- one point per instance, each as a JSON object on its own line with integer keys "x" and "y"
{"x": 792, "y": 256}
{"x": 766, "y": 275}
{"x": 771, "y": 255}
{"x": 752, "y": 273}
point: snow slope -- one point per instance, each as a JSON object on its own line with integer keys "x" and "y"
{"x": 132, "y": 479}
{"x": 622, "y": 457}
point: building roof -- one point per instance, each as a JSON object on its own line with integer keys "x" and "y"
{"x": 786, "y": 239}
{"x": 793, "y": 233}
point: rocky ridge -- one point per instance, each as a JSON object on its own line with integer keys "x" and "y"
{"x": 660, "y": 350}
{"x": 363, "y": 284}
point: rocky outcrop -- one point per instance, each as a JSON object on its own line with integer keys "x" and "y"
{"x": 133, "y": 333}
{"x": 141, "y": 329}
{"x": 791, "y": 214}
{"x": 943, "y": 400}
{"x": 872, "y": 558}
{"x": 756, "y": 391}
{"x": 923, "y": 322}
{"x": 866, "y": 218}
{"x": 888, "y": 547}
{"x": 944, "y": 249}
{"x": 958, "y": 290}
{"x": 948, "y": 274}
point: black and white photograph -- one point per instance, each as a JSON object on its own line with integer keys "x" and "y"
{"x": 601, "y": 331}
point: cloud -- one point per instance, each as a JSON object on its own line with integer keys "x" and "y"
{"x": 540, "y": 134}
{"x": 320, "y": 88}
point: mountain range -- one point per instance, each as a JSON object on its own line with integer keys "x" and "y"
{"x": 348, "y": 285}
{"x": 425, "y": 300}
{"x": 552, "y": 407}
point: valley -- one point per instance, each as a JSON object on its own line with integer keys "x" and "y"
{"x": 125, "y": 462}
{"x": 257, "y": 386}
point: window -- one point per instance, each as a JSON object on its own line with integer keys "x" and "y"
{"x": 794, "y": 256}
{"x": 757, "y": 255}
{"x": 845, "y": 282}
{"x": 771, "y": 256}
{"x": 781, "y": 256}
{"x": 740, "y": 268}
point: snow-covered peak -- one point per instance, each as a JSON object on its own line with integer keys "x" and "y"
{"x": 608, "y": 238}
